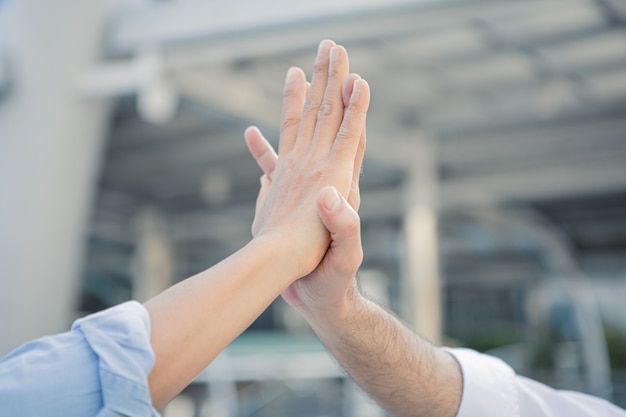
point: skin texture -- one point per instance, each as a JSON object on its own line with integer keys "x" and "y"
{"x": 320, "y": 141}
{"x": 403, "y": 372}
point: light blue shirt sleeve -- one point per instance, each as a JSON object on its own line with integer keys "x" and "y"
{"x": 100, "y": 368}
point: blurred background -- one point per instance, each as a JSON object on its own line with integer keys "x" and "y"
{"x": 494, "y": 186}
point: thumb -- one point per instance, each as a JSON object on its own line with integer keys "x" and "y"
{"x": 261, "y": 150}
{"x": 344, "y": 225}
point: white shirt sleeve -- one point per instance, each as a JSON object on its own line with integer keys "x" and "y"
{"x": 491, "y": 388}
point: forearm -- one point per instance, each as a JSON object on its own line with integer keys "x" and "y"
{"x": 193, "y": 321}
{"x": 405, "y": 374}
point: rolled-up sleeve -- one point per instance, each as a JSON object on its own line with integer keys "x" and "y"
{"x": 100, "y": 368}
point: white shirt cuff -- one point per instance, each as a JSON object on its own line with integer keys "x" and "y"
{"x": 489, "y": 388}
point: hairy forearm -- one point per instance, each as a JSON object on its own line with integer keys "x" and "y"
{"x": 404, "y": 373}
{"x": 193, "y": 321}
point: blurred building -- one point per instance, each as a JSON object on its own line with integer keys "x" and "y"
{"x": 494, "y": 187}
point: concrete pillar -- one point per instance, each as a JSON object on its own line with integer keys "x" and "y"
{"x": 421, "y": 277}
{"x": 50, "y": 147}
{"x": 154, "y": 257}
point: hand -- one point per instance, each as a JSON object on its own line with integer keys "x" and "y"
{"x": 319, "y": 146}
{"x": 334, "y": 277}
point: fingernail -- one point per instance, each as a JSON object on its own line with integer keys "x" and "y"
{"x": 291, "y": 74}
{"x": 325, "y": 45}
{"x": 356, "y": 87}
{"x": 354, "y": 90}
{"x": 332, "y": 201}
{"x": 334, "y": 54}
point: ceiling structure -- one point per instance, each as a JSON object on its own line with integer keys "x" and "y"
{"x": 525, "y": 103}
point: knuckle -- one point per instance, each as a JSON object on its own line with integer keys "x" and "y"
{"x": 327, "y": 109}
{"x": 356, "y": 110}
{"x": 318, "y": 174}
{"x": 320, "y": 65}
{"x": 290, "y": 119}
{"x": 310, "y": 107}
{"x": 335, "y": 72}
{"x": 345, "y": 133}
{"x": 357, "y": 107}
{"x": 291, "y": 159}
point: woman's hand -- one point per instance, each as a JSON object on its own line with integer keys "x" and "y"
{"x": 322, "y": 140}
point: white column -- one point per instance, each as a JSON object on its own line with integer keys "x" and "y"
{"x": 50, "y": 146}
{"x": 421, "y": 277}
{"x": 154, "y": 257}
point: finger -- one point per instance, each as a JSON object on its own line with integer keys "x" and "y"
{"x": 347, "y": 87}
{"x": 315, "y": 94}
{"x": 354, "y": 197}
{"x": 350, "y": 132}
{"x": 261, "y": 150}
{"x": 344, "y": 225}
{"x": 294, "y": 95}
{"x": 331, "y": 110}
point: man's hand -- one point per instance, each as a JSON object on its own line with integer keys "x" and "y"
{"x": 333, "y": 282}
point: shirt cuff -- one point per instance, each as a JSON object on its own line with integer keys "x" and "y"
{"x": 120, "y": 338}
{"x": 489, "y": 388}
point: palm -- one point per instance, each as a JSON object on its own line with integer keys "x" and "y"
{"x": 335, "y": 269}
{"x": 331, "y": 276}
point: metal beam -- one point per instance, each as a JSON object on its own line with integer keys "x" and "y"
{"x": 553, "y": 144}
{"x": 538, "y": 183}
{"x": 175, "y": 23}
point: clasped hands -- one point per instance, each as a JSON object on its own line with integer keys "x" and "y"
{"x": 310, "y": 190}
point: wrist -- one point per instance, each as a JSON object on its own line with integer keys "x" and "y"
{"x": 280, "y": 255}
{"x": 334, "y": 315}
